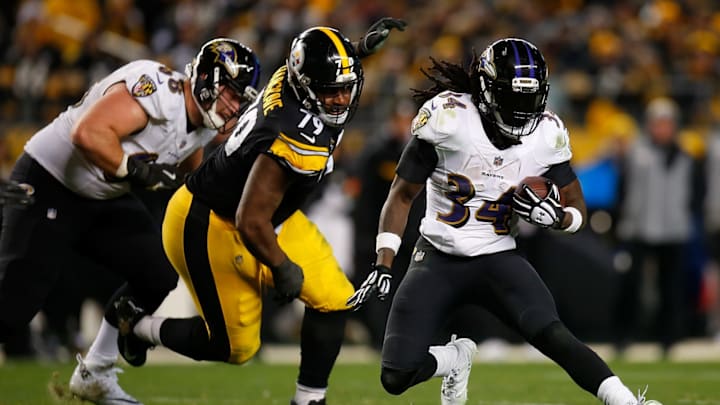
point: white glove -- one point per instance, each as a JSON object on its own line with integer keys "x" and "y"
{"x": 377, "y": 283}
{"x": 544, "y": 212}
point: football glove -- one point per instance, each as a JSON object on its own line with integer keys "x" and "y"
{"x": 14, "y": 193}
{"x": 544, "y": 212}
{"x": 153, "y": 176}
{"x": 288, "y": 278}
{"x": 377, "y": 283}
{"x": 376, "y": 35}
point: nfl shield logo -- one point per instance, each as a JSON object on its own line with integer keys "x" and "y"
{"x": 498, "y": 160}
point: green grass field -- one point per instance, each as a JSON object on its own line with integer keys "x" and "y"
{"x": 496, "y": 384}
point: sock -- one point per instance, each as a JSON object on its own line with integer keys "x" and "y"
{"x": 613, "y": 392}
{"x": 321, "y": 337}
{"x": 104, "y": 350}
{"x": 303, "y": 394}
{"x": 445, "y": 357}
{"x": 148, "y": 329}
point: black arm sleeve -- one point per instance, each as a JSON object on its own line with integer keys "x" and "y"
{"x": 417, "y": 162}
{"x": 561, "y": 174}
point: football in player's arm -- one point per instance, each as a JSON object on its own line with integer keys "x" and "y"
{"x": 481, "y": 130}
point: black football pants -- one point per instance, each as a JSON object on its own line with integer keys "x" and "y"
{"x": 505, "y": 284}
{"x": 39, "y": 242}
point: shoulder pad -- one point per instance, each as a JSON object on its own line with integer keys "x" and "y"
{"x": 553, "y": 143}
{"x": 441, "y": 116}
{"x": 155, "y": 86}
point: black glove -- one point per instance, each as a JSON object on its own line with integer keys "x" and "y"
{"x": 544, "y": 212}
{"x": 376, "y": 35}
{"x": 153, "y": 176}
{"x": 288, "y": 278}
{"x": 377, "y": 283}
{"x": 13, "y": 193}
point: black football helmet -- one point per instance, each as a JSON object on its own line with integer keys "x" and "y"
{"x": 222, "y": 61}
{"x": 322, "y": 60}
{"x": 513, "y": 86}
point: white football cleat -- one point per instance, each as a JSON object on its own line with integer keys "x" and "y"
{"x": 642, "y": 401}
{"x": 455, "y": 385}
{"x": 99, "y": 385}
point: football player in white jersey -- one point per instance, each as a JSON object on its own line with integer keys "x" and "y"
{"x": 142, "y": 126}
{"x": 479, "y": 132}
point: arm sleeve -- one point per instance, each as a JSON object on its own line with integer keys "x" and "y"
{"x": 562, "y": 174}
{"x": 418, "y": 161}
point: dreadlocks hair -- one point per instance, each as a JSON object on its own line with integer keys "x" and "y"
{"x": 450, "y": 76}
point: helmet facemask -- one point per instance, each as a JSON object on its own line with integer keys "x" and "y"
{"x": 317, "y": 70}
{"x": 337, "y": 115}
{"x": 515, "y": 110}
{"x": 512, "y": 96}
{"x": 223, "y": 62}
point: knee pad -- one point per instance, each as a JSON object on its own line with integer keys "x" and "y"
{"x": 396, "y": 382}
{"x": 536, "y": 321}
{"x": 553, "y": 336}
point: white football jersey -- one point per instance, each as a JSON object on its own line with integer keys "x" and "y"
{"x": 469, "y": 194}
{"x": 165, "y": 138}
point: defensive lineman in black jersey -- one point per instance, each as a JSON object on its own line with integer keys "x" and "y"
{"x": 479, "y": 132}
{"x": 276, "y": 124}
{"x": 235, "y": 229}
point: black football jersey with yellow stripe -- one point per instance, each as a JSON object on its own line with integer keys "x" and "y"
{"x": 278, "y": 125}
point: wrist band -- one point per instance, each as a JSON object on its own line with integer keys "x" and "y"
{"x": 122, "y": 170}
{"x": 577, "y": 219}
{"x": 387, "y": 240}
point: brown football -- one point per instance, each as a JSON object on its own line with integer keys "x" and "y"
{"x": 538, "y": 184}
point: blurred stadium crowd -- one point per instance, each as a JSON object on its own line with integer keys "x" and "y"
{"x": 607, "y": 60}
{"x": 606, "y": 57}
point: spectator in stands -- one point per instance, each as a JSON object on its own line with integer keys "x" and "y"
{"x": 659, "y": 195}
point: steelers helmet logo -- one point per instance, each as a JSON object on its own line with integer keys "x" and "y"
{"x": 297, "y": 56}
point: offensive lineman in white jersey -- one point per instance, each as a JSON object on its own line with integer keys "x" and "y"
{"x": 143, "y": 126}
{"x": 478, "y": 134}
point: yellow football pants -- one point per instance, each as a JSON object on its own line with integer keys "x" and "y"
{"x": 227, "y": 282}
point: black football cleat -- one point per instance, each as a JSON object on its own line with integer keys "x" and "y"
{"x": 132, "y": 348}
